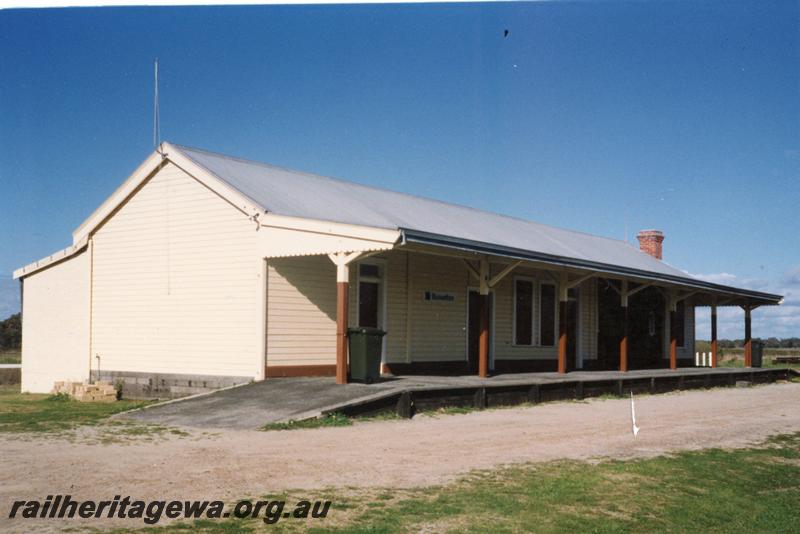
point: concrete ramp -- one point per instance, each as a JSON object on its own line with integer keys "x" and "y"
{"x": 251, "y": 406}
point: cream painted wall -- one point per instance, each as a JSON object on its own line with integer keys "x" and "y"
{"x": 55, "y": 329}
{"x": 394, "y": 305}
{"x": 175, "y": 283}
{"x": 438, "y": 329}
{"x": 302, "y": 310}
{"x": 504, "y": 317}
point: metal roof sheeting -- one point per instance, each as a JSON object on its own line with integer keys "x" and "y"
{"x": 298, "y": 194}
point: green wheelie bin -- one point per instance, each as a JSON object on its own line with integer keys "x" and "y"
{"x": 365, "y": 353}
{"x": 757, "y": 354}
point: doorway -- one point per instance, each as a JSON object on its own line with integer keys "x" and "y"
{"x": 573, "y": 327}
{"x": 474, "y": 330}
{"x": 371, "y": 297}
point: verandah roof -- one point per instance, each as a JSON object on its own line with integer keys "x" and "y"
{"x": 707, "y": 292}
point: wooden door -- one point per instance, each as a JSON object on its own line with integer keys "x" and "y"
{"x": 474, "y": 329}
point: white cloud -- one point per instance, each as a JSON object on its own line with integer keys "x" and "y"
{"x": 792, "y": 276}
{"x": 768, "y": 321}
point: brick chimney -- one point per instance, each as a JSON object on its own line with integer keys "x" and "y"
{"x": 650, "y": 242}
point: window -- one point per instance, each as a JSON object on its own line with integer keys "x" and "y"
{"x": 680, "y": 323}
{"x": 369, "y": 270}
{"x": 369, "y": 295}
{"x": 547, "y": 315}
{"x": 523, "y": 312}
{"x": 525, "y": 317}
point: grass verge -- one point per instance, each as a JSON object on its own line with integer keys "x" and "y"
{"x": 334, "y": 419}
{"x": 27, "y": 412}
{"x": 10, "y": 356}
{"x": 744, "y": 490}
{"x": 736, "y": 359}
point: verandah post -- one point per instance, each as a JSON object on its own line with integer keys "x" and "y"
{"x": 623, "y": 343}
{"x": 483, "y": 339}
{"x": 562, "y": 324}
{"x": 483, "y": 349}
{"x": 673, "y": 333}
{"x": 748, "y": 342}
{"x": 342, "y": 302}
{"x": 342, "y": 261}
{"x": 714, "y": 335}
{"x": 673, "y": 341}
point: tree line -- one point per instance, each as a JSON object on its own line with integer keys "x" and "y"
{"x": 769, "y": 343}
{"x": 11, "y": 332}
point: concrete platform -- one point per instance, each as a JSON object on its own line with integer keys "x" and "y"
{"x": 280, "y": 399}
{"x": 253, "y": 405}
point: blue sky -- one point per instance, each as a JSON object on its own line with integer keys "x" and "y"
{"x": 682, "y": 116}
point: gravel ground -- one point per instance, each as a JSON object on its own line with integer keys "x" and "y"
{"x": 394, "y": 454}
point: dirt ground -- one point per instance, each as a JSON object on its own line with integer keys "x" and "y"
{"x": 393, "y": 454}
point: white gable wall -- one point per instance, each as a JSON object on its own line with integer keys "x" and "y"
{"x": 175, "y": 283}
{"x": 55, "y": 333}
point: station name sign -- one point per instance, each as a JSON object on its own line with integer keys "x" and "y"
{"x": 438, "y": 296}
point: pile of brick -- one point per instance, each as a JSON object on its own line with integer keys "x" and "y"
{"x": 100, "y": 391}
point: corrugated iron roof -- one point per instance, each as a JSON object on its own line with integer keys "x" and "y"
{"x": 299, "y": 194}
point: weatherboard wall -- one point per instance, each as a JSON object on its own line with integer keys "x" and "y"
{"x": 301, "y": 311}
{"x": 301, "y": 318}
{"x": 174, "y": 283}
{"x": 55, "y": 328}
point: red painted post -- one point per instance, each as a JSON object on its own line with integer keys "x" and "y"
{"x": 342, "y": 301}
{"x": 673, "y": 341}
{"x": 713, "y": 335}
{"x": 748, "y": 341}
{"x": 562, "y": 336}
{"x": 623, "y": 344}
{"x": 483, "y": 340}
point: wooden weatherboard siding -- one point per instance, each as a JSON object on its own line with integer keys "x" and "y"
{"x": 504, "y": 347}
{"x": 301, "y": 321}
{"x": 394, "y": 265}
{"x": 438, "y": 329}
{"x": 55, "y": 337}
{"x": 175, "y": 283}
{"x": 301, "y": 311}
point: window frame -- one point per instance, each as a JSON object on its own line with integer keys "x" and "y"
{"x": 381, "y": 280}
{"x": 556, "y": 318}
{"x": 534, "y": 290}
{"x": 536, "y": 312}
